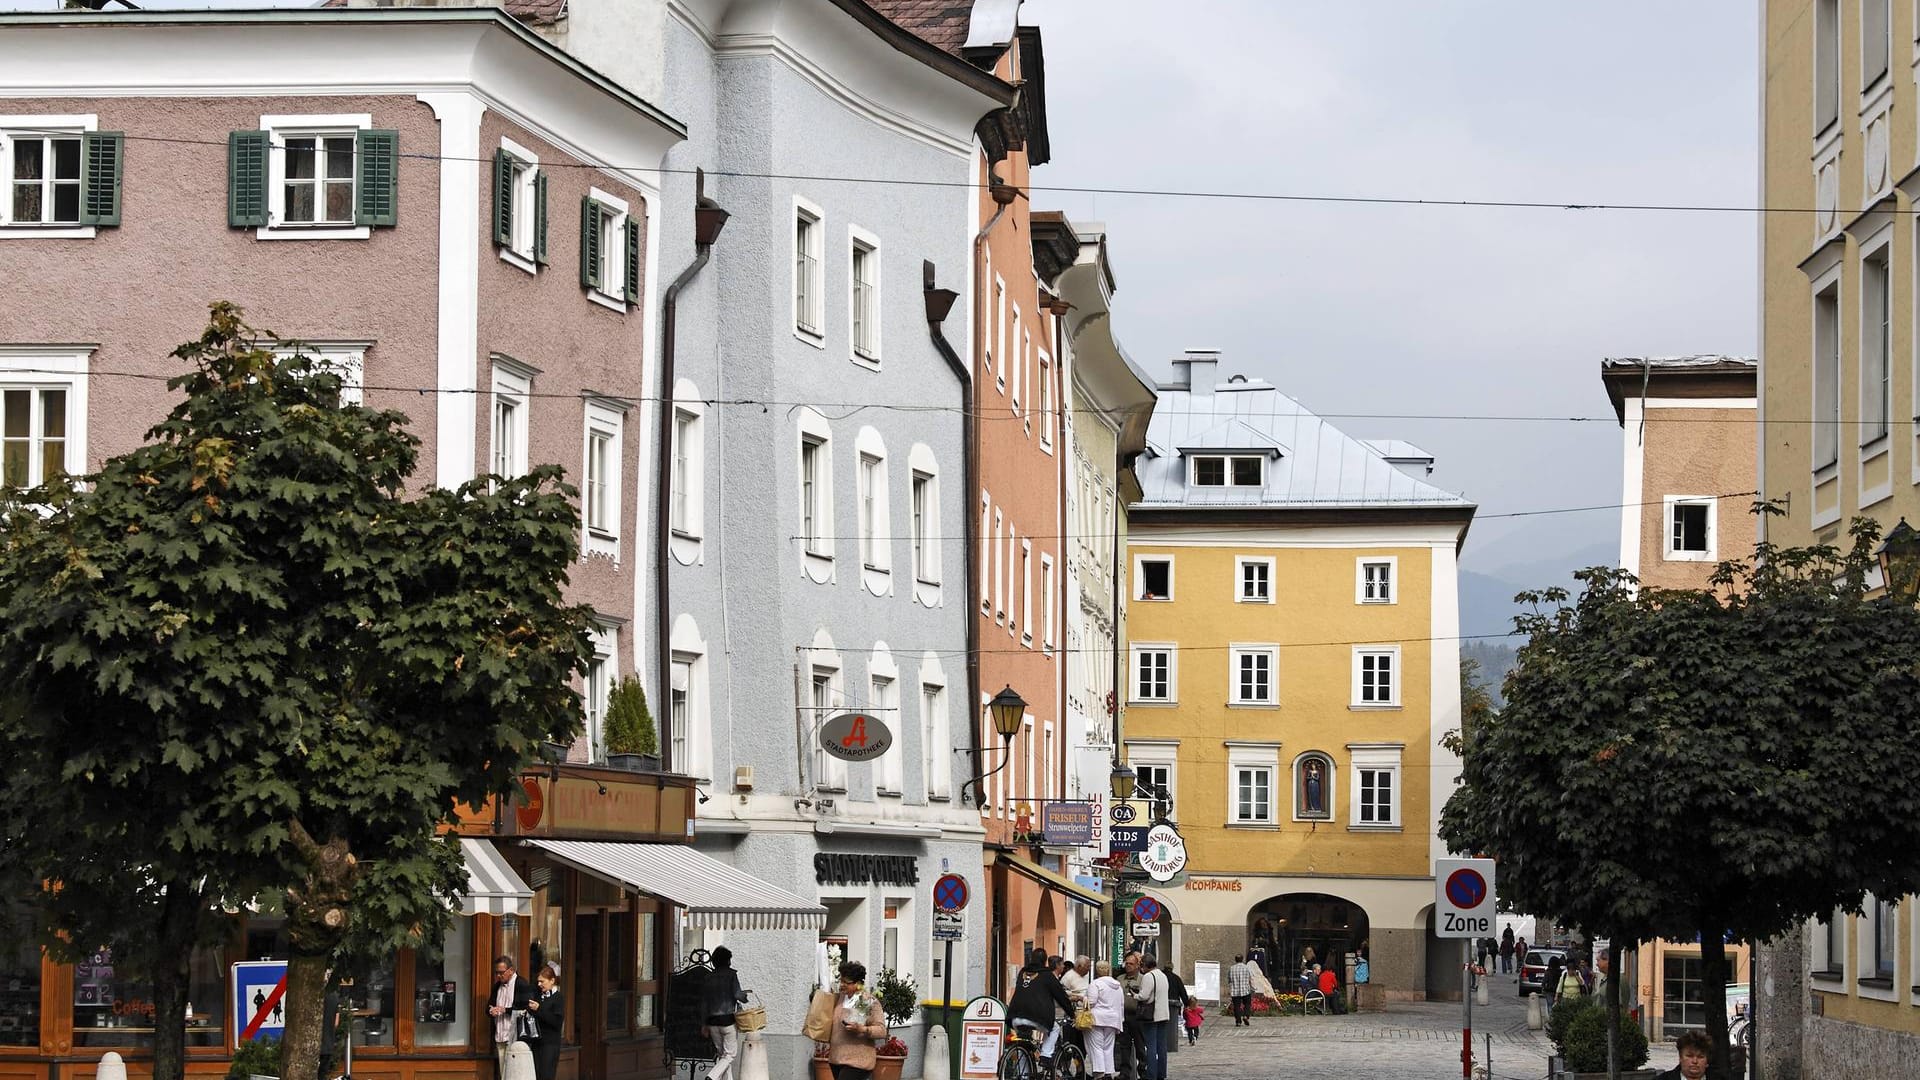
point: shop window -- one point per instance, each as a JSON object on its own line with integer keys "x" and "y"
{"x": 646, "y": 995}
{"x": 619, "y": 984}
{"x": 1684, "y": 992}
{"x": 110, "y": 1010}
{"x": 442, "y": 1007}
{"x": 371, "y": 995}
{"x": 19, "y": 979}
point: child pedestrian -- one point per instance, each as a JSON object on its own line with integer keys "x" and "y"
{"x": 1194, "y": 1015}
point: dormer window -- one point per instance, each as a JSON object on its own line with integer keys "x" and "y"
{"x": 1228, "y": 470}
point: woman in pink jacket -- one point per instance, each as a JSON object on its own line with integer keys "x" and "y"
{"x": 857, "y": 1021}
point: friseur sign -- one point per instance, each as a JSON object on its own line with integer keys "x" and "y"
{"x": 1068, "y": 824}
{"x": 833, "y": 869}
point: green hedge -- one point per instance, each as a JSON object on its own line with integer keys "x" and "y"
{"x": 1585, "y": 1045}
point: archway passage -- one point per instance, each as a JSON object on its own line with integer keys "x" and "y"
{"x": 1281, "y": 929}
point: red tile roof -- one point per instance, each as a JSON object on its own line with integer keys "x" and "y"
{"x": 531, "y": 12}
{"x": 941, "y": 23}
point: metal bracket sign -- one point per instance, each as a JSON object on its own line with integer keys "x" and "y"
{"x": 259, "y": 1000}
{"x": 1068, "y": 823}
{"x": 1165, "y": 854}
{"x": 1463, "y": 898}
{"x": 1127, "y": 838}
{"x": 855, "y": 737}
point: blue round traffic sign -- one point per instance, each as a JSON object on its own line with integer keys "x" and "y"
{"x": 1146, "y": 909}
{"x": 950, "y": 892}
{"x": 1466, "y": 888}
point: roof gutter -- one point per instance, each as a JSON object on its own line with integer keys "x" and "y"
{"x": 708, "y": 220}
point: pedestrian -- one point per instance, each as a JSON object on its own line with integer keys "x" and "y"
{"x": 1036, "y": 995}
{"x": 1074, "y": 980}
{"x": 1520, "y": 954}
{"x": 1106, "y": 999}
{"x": 1194, "y": 1015}
{"x": 720, "y": 998}
{"x": 1506, "y": 951}
{"x": 1550, "y": 982}
{"x": 1153, "y": 1018}
{"x": 510, "y": 996}
{"x": 1583, "y": 971}
{"x": 1240, "y": 992}
{"x": 1176, "y": 1007}
{"x": 1603, "y": 969}
{"x": 857, "y": 1021}
{"x": 1131, "y": 1051}
{"x": 1329, "y": 985}
{"x": 549, "y": 1009}
{"x": 1695, "y": 1048}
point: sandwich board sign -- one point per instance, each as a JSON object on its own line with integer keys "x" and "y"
{"x": 983, "y": 1028}
{"x": 1463, "y": 905}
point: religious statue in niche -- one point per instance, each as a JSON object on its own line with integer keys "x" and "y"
{"x": 1314, "y": 793}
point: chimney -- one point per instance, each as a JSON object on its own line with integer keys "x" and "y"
{"x": 1202, "y": 370}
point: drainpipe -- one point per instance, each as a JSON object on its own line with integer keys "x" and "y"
{"x": 708, "y": 220}
{"x": 939, "y": 303}
{"x": 1003, "y": 195}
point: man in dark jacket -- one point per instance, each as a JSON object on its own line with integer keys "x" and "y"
{"x": 509, "y": 996}
{"x": 1035, "y": 993}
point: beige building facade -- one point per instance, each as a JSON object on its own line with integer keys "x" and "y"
{"x": 1839, "y": 389}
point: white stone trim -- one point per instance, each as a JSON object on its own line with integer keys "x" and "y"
{"x": 457, "y": 363}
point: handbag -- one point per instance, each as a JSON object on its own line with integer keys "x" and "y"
{"x": 525, "y": 1027}
{"x": 1083, "y": 1019}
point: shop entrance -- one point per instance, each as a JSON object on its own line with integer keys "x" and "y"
{"x": 1281, "y": 929}
{"x": 587, "y": 1003}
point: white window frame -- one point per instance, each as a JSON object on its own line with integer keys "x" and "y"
{"x": 1329, "y": 778}
{"x": 689, "y": 651}
{"x": 1047, "y": 638}
{"x": 1256, "y": 757}
{"x": 526, "y": 170}
{"x": 1043, "y": 397}
{"x": 1822, "y": 962}
{"x": 1394, "y": 674}
{"x": 603, "y": 670}
{"x": 1826, "y": 65}
{"x": 1158, "y": 754}
{"x": 1135, "y": 652}
{"x": 986, "y": 554}
{"x": 923, "y": 507}
{"x": 1375, "y": 758}
{"x": 901, "y": 926}
{"x": 40, "y": 127}
{"x": 345, "y": 359}
{"x": 1670, "y": 510}
{"x": 1865, "y": 969}
{"x": 612, "y": 290}
{"x": 999, "y": 566}
{"x": 1240, "y": 565}
{"x": 999, "y": 335}
{"x": 689, "y": 515}
{"x": 1026, "y": 593}
{"x": 1018, "y": 341}
{"x": 1236, "y": 652}
{"x": 813, "y": 495}
{"x": 605, "y": 420}
{"x": 53, "y": 367}
{"x": 936, "y": 736}
{"x": 1362, "y": 594}
{"x": 809, "y": 278}
{"x": 1226, "y": 469}
{"x": 883, "y": 701}
{"x": 1827, "y": 363}
{"x": 874, "y": 511}
{"x": 867, "y": 353}
{"x": 513, "y": 388}
{"x": 829, "y": 772}
{"x": 281, "y": 127}
{"x": 1140, "y": 578}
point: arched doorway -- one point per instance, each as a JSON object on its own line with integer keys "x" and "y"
{"x": 1282, "y": 928}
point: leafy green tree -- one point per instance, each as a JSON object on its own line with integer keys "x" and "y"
{"x": 1720, "y": 763}
{"x": 244, "y": 658}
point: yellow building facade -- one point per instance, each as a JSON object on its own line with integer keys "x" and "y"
{"x": 1293, "y": 662}
{"x": 1839, "y": 388}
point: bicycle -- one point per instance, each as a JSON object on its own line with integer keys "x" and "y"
{"x": 1021, "y": 1059}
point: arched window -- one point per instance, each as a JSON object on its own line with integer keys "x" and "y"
{"x": 1313, "y": 787}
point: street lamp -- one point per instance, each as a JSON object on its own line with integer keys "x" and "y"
{"x": 1900, "y": 562}
{"x": 1007, "y": 710}
{"x": 1122, "y": 780}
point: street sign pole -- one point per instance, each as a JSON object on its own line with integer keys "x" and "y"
{"x": 1466, "y": 995}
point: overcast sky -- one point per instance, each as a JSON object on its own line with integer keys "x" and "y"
{"x": 1423, "y": 310}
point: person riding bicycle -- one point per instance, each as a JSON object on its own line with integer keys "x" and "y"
{"x": 1035, "y": 994}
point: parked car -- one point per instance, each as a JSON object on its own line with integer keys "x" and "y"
{"x": 1533, "y": 969}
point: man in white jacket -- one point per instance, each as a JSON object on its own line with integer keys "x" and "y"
{"x": 1153, "y": 998}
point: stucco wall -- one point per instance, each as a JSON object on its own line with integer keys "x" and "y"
{"x": 1695, "y": 452}
{"x": 141, "y": 289}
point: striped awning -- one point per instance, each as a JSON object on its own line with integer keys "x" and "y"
{"x": 492, "y": 886}
{"x": 715, "y": 895}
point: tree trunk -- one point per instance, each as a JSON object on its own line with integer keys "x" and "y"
{"x": 316, "y": 923}
{"x": 1713, "y": 980}
{"x": 1612, "y": 1005}
{"x": 180, "y": 917}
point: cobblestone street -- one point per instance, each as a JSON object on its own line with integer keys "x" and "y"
{"x": 1408, "y": 1041}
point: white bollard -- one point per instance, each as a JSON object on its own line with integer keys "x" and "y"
{"x": 112, "y": 1067}
{"x": 934, "y": 1062}
{"x": 1534, "y": 1022}
{"x": 752, "y": 1063}
{"x": 519, "y": 1062}
{"x": 1480, "y": 992}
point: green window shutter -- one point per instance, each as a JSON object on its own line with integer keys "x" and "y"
{"x": 503, "y": 198}
{"x": 540, "y": 217}
{"x": 379, "y": 158}
{"x": 100, "y": 178}
{"x": 247, "y": 178}
{"x": 633, "y": 260}
{"x": 589, "y": 244}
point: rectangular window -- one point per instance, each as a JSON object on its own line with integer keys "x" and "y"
{"x": 1376, "y": 581}
{"x": 1876, "y": 351}
{"x": 598, "y": 686}
{"x": 1690, "y": 524}
{"x": 1223, "y": 470}
{"x": 1826, "y": 65}
{"x": 1152, "y": 673}
{"x": 519, "y": 206}
{"x": 1254, "y": 580}
{"x": 685, "y": 437}
{"x": 512, "y": 387}
{"x": 829, "y": 772}
{"x": 1375, "y": 680}
{"x": 807, "y": 299}
{"x": 1253, "y": 795}
{"x": 1153, "y": 577}
{"x": 317, "y": 184}
{"x": 813, "y": 453}
{"x": 1253, "y": 675}
{"x": 1154, "y": 780}
{"x": 1046, "y": 585}
{"x": 601, "y": 490}
{"x": 680, "y": 714}
{"x": 1875, "y": 37}
{"x": 999, "y": 567}
{"x": 43, "y": 178}
{"x": 986, "y": 555}
{"x": 609, "y": 251}
{"x": 1826, "y": 378}
{"x": 1026, "y": 592}
{"x": 1833, "y": 938}
{"x": 1683, "y": 992}
{"x": 1886, "y": 936}
{"x": 1016, "y": 357}
{"x": 889, "y": 775}
{"x": 997, "y": 336}
{"x": 865, "y": 283}
{"x": 869, "y": 511}
{"x": 1045, "y": 397}
{"x": 1375, "y": 792}
{"x": 33, "y": 434}
{"x": 924, "y": 514}
{"x": 936, "y": 742}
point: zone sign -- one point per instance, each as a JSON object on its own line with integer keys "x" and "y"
{"x": 1463, "y": 904}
